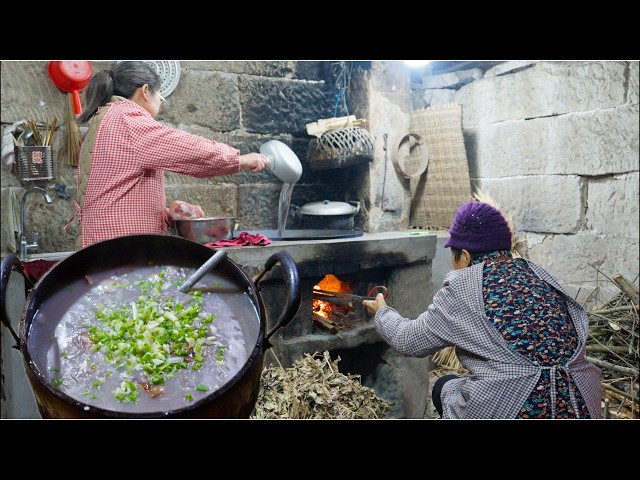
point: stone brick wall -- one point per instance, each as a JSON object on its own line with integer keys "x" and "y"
{"x": 556, "y": 145}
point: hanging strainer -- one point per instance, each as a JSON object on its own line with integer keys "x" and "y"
{"x": 169, "y": 72}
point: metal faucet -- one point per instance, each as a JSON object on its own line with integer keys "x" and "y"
{"x": 24, "y": 246}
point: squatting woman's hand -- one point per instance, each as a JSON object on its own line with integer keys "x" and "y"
{"x": 373, "y": 306}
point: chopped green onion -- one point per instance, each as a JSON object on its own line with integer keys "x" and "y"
{"x": 153, "y": 336}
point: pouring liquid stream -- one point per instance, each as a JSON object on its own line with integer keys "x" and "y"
{"x": 283, "y": 208}
{"x": 287, "y": 167}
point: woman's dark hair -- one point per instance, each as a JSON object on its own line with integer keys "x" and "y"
{"x": 123, "y": 80}
{"x": 457, "y": 253}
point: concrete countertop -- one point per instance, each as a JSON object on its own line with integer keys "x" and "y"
{"x": 278, "y": 244}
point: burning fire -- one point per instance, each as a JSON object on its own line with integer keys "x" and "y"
{"x": 329, "y": 283}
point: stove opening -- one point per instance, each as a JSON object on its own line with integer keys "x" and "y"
{"x": 330, "y": 314}
{"x": 337, "y": 304}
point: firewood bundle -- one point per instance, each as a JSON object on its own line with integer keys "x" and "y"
{"x": 613, "y": 345}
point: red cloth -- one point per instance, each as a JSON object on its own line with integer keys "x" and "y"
{"x": 37, "y": 268}
{"x": 244, "y": 238}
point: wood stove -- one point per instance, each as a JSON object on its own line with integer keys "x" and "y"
{"x": 400, "y": 261}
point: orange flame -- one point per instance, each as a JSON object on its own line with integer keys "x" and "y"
{"x": 329, "y": 283}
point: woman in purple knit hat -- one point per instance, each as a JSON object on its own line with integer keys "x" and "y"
{"x": 516, "y": 331}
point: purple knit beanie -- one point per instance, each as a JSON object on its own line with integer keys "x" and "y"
{"x": 479, "y": 227}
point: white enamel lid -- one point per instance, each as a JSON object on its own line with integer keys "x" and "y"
{"x": 326, "y": 207}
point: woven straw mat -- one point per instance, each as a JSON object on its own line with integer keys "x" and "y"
{"x": 437, "y": 194}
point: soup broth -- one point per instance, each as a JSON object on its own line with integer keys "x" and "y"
{"x": 126, "y": 340}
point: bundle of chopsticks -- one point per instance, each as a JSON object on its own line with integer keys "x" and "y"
{"x": 31, "y": 134}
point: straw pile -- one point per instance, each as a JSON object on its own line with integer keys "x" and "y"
{"x": 315, "y": 389}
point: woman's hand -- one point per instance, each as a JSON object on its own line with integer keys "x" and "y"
{"x": 373, "y": 306}
{"x": 254, "y": 162}
{"x": 168, "y": 219}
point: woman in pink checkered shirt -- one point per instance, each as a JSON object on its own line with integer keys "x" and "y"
{"x": 125, "y": 152}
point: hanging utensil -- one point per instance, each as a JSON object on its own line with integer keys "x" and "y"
{"x": 384, "y": 177}
{"x": 72, "y": 135}
{"x": 71, "y": 77}
{"x": 24, "y": 137}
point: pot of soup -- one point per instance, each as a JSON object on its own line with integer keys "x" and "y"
{"x": 108, "y": 333}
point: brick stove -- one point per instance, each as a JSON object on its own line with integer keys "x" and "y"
{"x": 401, "y": 261}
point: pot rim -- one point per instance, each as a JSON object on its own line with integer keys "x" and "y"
{"x": 203, "y": 219}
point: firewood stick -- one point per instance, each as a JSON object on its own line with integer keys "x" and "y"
{"x": 325, "y": 323}
{"x": 628, "y": 288}
{"x": 611, "y": 366}
{"x": 616, "y": 393}
{"x": 614, "y": 310}
{"x": 607, "y": 348}
{"x": 622, "y": 412}
{"x": 623, "y": 409}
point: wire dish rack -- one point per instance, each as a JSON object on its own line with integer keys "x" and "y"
{"x": 340, "y": 147}
{"x": 34, "y": 162}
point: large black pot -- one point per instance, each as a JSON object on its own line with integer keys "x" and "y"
{"x": 235, "y": 399}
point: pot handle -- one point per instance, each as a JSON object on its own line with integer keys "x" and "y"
{"x": 8, "y": 263}
{"x": 294, "y": 293}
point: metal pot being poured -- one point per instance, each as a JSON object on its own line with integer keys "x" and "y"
{"x": 282, "y": 161}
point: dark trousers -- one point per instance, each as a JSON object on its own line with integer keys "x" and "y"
{"x": 437, "y": 389}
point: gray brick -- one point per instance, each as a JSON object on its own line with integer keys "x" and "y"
{"x": 592, "y": 143}
{"x": 192, "y": 102}
{"x": 278, "y": 106}
{"x": 612, "y": 205}
{"x": 576, "y": 259}
{"x": 532, "y": 203}
{"x": 549, "y": 88}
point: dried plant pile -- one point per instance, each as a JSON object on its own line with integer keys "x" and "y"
{"x": 315, "y": 389}
{"x": 613, "y": 345}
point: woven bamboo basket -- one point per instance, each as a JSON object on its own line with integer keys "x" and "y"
{"x": 340, "y": 147}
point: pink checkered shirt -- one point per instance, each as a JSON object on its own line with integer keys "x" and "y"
{"x": 125, "y": 192}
